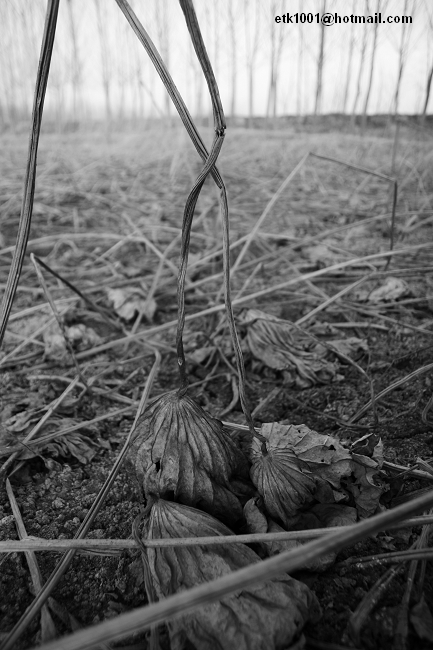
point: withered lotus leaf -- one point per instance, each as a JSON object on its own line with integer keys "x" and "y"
{"x": 184, "y": 454}
{"x": 281, "y": 478}
{"x": 319, "y": 516}
{"x": 324, "y": 455}
{"x": 277, "y": 344}
{"x": 268, "y": 616}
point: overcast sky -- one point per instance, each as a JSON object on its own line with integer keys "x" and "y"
{"x": 228, "y": 26}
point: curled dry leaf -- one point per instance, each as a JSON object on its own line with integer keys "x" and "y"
{"x": 391, "y": 290}
{"x": 297, "y": 466}
{"x": 352, "y": 347}
{"x": 281, "y": 478}
{"x": 22, "y": 421}
{"x": 82, "y": 337}
{"x": 269, "y": 615}
{"x": 99, "y": 325}
{"x": 277, "y": 344}
{"x": 184, "y": 454}
{"x": 319, "y": 516}
{"x": 325, "y": 456}
{"x": 322, "y": 255}
{"x": 367, "y": 483}
{"x": 54, "y": 342}
{"x": 338, "y": 472}
{"x": 129, "y": 302}
{"x": 76, "y": 444}
{"x": 422, "y": 620}
{"x": 79, "y": 336}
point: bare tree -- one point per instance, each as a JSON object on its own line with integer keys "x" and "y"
{"x": 278, "y": 54}
{"x": 163, "y": 30}
{"x": 349, "y": 62}
{"x": 318, "y": 100}
{"x": 300, "y": 71}
{"x": 277, "y": 41}
{"x": 122, "y": 69}
{"x": 7, "y": 69}
{"x": 427, "y": 92}
{"x": 252, "y": 35}
{"x": 361, "y": 67}
{"x": 216, "y": 38}
{"x": 233, "y": 47}
{"x": 402, "y": 55}
{"x": 370, "y": 78}
{"x": 197, "y": 81}
{"x": 428, "y": 86}
{"x": 139, "y": 62}
{"x": 106, "y": 77}
{"x": 75, "y": 63}
{"x": 272, "y": 33}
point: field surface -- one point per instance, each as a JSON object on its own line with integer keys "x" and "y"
{"x": 107, "y": 216}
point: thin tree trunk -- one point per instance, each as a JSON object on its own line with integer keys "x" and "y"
{"x": 318, "y": 101}
{"x": 139, "y": 84}
{"x": 7, "y": 76}
{"x": 278, "y": 53}
{"x": 75, "y": 63}
{"x": 299, "y": 76}
{"x": 251, "y": 94}
{"x": 360, "y": 71}
{"x": 163, "y": 27}
{"x": 216, "y": 38}
{"x": 370, "y": 79}
{"x": 271, "y": 90}
{"x": 349, "y": 62}
{"x": 234, "y": 66}
{"x": 427, "y": 93}
{"x": 106, "y": 79}
{"x": 401, "y": 61}
{"x": 251, "y": 52}
{"x": 273, "y": 10}
{"x": 430, "y": 72}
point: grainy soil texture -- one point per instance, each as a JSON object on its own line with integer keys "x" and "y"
{"x": 107, "y": 219}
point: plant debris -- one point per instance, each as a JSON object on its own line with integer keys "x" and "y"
{"x": 297, "y": 466}
{"x": 279, "y": 345}
{"x": 270, "y": 614}
{"x": 183, "y": 453}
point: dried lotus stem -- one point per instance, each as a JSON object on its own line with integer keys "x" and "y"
{"x": 186, "y": 232}
{"x": 30, "y": 178}
{"x": 219, "y": 124}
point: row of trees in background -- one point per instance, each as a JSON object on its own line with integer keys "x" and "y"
{"x": 262, "y": 67}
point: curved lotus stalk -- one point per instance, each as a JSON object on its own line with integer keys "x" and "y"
{"x": 182, "y": 453}
{"x": 268, "y": 615}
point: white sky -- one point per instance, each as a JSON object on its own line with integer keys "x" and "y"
{"x": 133, "y": 82}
